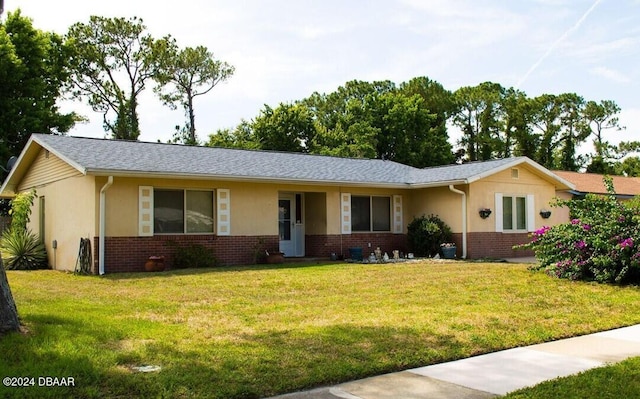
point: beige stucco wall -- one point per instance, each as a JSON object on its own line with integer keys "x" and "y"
{"x": 560, "y": 214}
{"x": 439, "y": 201}
{"x": 253, "y": 205}
{"x": 315, "y": 213}
{"x": 69, "y": 215}
{"x": 482, "y": 195}
{"x": 248, "y": 204}
{"x": 444, "y": 203}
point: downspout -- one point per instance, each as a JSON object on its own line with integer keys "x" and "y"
{"x": 464, "y": 219}
{"x": 103, "y": 228}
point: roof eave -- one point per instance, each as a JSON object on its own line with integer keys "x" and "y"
{"x": 240, "y": 178}
{"x": 443, "y": 183}
{"x": 29, "y": 152}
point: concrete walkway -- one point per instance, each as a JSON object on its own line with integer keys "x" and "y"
{"x": 491, "y": 375}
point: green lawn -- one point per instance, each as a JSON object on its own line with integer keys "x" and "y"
{"x": 618, "y": 381}
{"x": 259, "y": 331}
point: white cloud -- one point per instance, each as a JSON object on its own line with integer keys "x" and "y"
{"x": 610, "y": 74}
{"x": 594, "y": 52}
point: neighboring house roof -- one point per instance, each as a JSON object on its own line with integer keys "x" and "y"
{"x": 103, "y": 157}
{"x": 593, "y": 183}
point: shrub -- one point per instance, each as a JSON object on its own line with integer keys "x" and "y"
{"x": 601, "y": 242}
{"x": 426, "y": 233}
{"x": 23, "y": 250}
{"x": 21, "y": 209}
{"x": 193, "y": 255}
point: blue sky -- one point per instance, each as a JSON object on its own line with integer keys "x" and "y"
{"x": 285, "y": 50}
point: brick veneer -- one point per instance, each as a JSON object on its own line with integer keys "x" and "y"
{"x": 325, "y": 245}
{"x": 493, "y": 245}
{"x": 129, "y": 254}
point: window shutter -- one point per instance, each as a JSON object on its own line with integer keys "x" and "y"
{"x": 223, "y": 212}
{"x": 145, "y": 211}
{"x": 499, "y": 214}
{"x": 345, "y": 203}
{"x": 398, "y": 226}
{"x": 531, "y": 212}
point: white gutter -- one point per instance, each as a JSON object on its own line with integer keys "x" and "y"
{"x": 464, "y": 219}
{"x": 103, "y": 227}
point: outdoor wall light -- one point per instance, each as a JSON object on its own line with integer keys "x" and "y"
{"x": 485, "y": 212}
{"x": 545, "y": 214}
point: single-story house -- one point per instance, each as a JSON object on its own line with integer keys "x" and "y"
{"x": 131, "y": 198}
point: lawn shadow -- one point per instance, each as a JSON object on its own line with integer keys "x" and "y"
{"x": 217, "y": 269}
{"x": 86, "y": 355}
{"x": 44, "y": 355}
{"x": 270, "y": 363}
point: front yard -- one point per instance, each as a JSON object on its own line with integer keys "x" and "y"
{"x": 259, "y": 331}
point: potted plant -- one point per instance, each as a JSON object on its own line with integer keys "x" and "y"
{"x": 448, "y": 250}
{"x": 154, "y": 264}
{"x": 274, "y": 257}
{"x": 485, "y": 213}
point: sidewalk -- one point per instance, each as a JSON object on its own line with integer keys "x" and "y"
{"x": 493, "y": 374}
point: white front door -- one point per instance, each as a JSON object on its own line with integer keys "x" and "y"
{"x": 290, "y": 224}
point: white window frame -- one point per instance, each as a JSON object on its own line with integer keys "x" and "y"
{"x": 530, "y": 217}
{"x": 184, "y": 210}
{"x": 221, "y": 207}
{"x": 371, "y": 230}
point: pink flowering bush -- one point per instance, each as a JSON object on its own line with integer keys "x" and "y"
{"x": 601, "y": 242}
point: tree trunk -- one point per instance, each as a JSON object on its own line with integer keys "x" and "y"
{"x": 8, "y": 311}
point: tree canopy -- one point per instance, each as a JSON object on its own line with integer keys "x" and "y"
{"x": 359, "y": 119}
{"x": 183, "y": 75}
{"x": 32, "y": 74}
{"x": 110, "y": 66}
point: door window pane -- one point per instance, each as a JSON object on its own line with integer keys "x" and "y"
{"x": 284, "y": 219}
{"x": 199, "y": 212}
{"x": 168, "y": 211}
{"x": 381, "y": 213}
{"x": 360, "y": 213}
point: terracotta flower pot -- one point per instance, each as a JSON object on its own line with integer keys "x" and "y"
{"x": 275, "y": 257}
{"x": 154, "y": 264}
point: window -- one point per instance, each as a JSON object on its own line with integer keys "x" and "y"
{"x": 370, "y": 213}
{"x": 514, "y": 213}
{"x": 182, "y": 211}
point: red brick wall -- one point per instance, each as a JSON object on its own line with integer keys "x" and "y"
{"x": 493, "y": 245}
{"x": 129, "y": 254}
{"x": 324, "y": 245}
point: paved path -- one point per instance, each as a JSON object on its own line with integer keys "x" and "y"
{"x": 491, "y": 375}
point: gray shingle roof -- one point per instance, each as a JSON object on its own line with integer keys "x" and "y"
{"x": 101, "y": 156}
{"x": 128, "y": 157}
{"x": 463, "y": 172}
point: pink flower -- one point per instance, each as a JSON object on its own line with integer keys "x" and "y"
{"x": 627, "y": 243}
{"x": 541, "y": 231}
